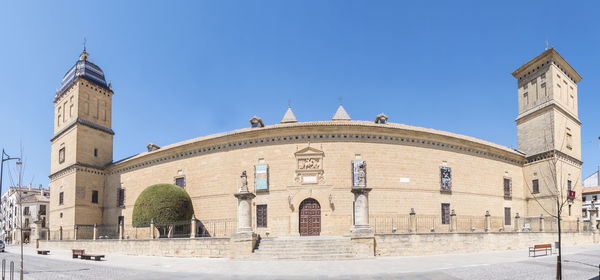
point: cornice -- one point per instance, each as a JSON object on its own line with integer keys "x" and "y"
{"x": 74, "y": 82}
{"x": 82, "y": 122}
{"x": 553, "y": 154}
{"x": 78, "y": 167}
{"x": 544, "y": 107}
{"x": 294, "y": 137}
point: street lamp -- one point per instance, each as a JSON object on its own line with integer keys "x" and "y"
{"x": 20, "y": 164}
{"x": 5, "y": 157}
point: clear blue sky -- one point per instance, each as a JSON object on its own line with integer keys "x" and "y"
{"x": 186, "y": 69}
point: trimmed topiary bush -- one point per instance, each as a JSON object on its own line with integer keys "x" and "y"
{"x": 165, "y": 203}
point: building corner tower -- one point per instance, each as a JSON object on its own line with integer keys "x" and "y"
{"x": 549, "y": 133}
{"x": 82, "y": 146}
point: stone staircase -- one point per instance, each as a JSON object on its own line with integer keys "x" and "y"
{"x": 306, "y": 248}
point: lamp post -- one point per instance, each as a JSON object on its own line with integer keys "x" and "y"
{"x": 20, "y": 164}
{"x": 5, "y": 157}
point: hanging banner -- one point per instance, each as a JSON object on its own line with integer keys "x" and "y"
{"x": 359, "y": 173}
{"x": 261, "y": 178}
{"x": 446, "y": 179}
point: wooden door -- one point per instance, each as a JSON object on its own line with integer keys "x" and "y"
{"x": 310, "y": 218}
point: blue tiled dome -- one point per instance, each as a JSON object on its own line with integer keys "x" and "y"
{"x": 86, "y": 69}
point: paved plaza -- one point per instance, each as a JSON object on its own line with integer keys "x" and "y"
{"x": 580, "y": 262}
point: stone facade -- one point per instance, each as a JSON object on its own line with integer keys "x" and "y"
{"x": 315, "y": 160}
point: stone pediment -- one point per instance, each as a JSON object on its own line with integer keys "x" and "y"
{"x": 309, "y": 166}
{"x": 309, "y": 151}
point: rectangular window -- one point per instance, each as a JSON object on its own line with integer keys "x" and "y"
{"x": 569, "y": 185}
{"x": 446, "y": 182}
{"x": 94, "y": 196}
{"x": 507, "y": 187}
{"x": 445, "y": 213}
{"x": 120, "y": 220}
{"x": 507, "y": 216}
{"x": 569, "y": 141}
{"x": 95, "y": 152}
{"x": 536, "y": 186}
{"x": 26, "y": 211}
{"x": 120, "y": 197}
{"x": 42, "y": 209}
{"x": 583, "y": 199}
{"x": 61, "y": 197}
{"x": 261, "y": 215}
{"x": 180, "y": 182}
{"x": 61, "y": 155}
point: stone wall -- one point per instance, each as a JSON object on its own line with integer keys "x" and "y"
{"x": 184, "y": 247}
{"x": 451, "y": 243}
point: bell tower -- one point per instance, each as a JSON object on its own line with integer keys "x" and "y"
{"x": 549, "y": 133}
{"x": 82, "y": 146}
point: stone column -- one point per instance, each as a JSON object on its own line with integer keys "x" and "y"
{"x": 578, "y": 224}
{"x": 361, "y": 212}
{"x": 541, "y": 222}
{"x": 47, "y": 234}
{"x": 193, "y": 229}
{"x": 517, "y": 223}
{"x": 121, "y": 229}
{"x": 453, "y": 221}
{"x": 413, "y": 220}
{"x": 75, "y": 232}
{"x": 593, "y": 218}
{"x": 243, "y": 241}
{"x": 95, "y": 232}
{"x": 60, "y": 233}
{"x": 244, "y": 211}
{"x": 152, "y": 229}
{"x": 487, "y": 221}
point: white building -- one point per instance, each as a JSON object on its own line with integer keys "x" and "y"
{"x": 592, "y": 180}
{"x": 35, "y": 203}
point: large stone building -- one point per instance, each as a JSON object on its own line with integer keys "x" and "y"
{"x": 303, "y": 174}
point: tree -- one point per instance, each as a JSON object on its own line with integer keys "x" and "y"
{"x": 163, "y": 203}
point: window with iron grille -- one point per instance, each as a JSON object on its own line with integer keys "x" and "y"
{"x": 568, "y": 185}
{"x": 94, "y": 196}
{"x": 180, "y": 182}
{"x": 445, "y": 213}
{"x": 61, "y": 197}
{"x": 261, "y": 215}
{"x": 507, "y": 216}
{"x": 120, "y": 197}
{"x": 536, "y": 186}
{"x": 507, "y": 187}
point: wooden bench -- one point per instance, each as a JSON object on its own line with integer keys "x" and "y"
{"x": 77, "y": 252}
{"x": 90, "y": 256}
{"x": 43, "y": 252}
{"x": 540, "y": 248}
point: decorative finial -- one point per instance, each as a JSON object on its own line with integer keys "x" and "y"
{"x": 84, "y": 42}
{"x": 340, "y": 100}
{"x": 546, "y": 44}
{"x": 289, "y": 103}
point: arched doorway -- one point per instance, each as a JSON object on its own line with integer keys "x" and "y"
{"x": 310, "y": 217}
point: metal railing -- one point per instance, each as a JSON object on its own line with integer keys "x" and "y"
{"x": 390, "y": 224}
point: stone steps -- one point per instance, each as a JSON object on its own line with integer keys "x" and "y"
{"x": 305, "y": 248}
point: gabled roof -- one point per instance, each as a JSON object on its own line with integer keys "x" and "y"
{"x": 289, "y": 116}
{"x": 341, "y": 115}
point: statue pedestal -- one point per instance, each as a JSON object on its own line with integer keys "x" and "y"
{"x": 243, "y": 241}
{"x": 244, "y": 211}
{"x": 361, "y": 226}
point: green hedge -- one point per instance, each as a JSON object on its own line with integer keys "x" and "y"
{"x": 164, "y": 203}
